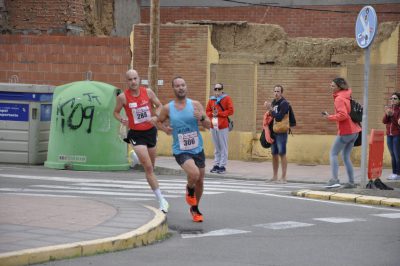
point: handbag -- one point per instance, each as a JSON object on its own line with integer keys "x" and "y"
{"x": 281, "y": 126}
{"x": 263, "y": 141}
{"x": 230, "y": 122}
{"x": 358, "y": 141}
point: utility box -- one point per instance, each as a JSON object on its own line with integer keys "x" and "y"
{"x": 25, "y": 114}
{"x": 84, "y": 135}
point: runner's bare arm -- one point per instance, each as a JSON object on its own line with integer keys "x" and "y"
{"x": 162, "y": 120}
{"x": 200, "y": 115}
{"x": 118, "y": 107}
{"x": 155, "y": 102}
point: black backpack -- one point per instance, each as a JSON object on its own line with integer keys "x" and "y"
{"x": 356, "y": 111}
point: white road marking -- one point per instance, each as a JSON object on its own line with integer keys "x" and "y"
{"x": 168, "y": 186}
{"x": 222, "y": 232}
{"x": 388, "y": 215}
{"x": 338, "y": 220}
{"x": 71, "y": 196}
{"x": 283, "y": 225}
{"x": 89, "y": 192}
{"x": 211, "y": 187}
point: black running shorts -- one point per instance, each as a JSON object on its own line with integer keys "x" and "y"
{"x": 145, "y": 137}
{"x": 198, "y": 158}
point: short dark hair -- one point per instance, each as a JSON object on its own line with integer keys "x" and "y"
{"x": 173, "y": 80}
{"x": 279, "y": 86}
{"x": 341, "y": 83}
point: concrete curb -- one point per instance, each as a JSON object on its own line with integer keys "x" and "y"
{"x": 354, "y": 198}
{"x": 151, "y": 232}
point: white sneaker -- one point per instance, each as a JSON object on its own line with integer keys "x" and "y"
{"x": 333, "y": 183}
{"x": 392, "y": 177}
{"x": 164, "y": 205}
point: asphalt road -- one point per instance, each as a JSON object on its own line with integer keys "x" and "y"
{"x": 246, "y": 223}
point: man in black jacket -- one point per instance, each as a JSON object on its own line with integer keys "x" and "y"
{"x": 279, "y": 109}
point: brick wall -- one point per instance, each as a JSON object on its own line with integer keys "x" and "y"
{"x": 183, "y": 52}
{"x": 57, "y": 60}
{"x": 307, "y": 90}
{"x": 381, "y": 85}
{"x": 398, "y": 64}
{"x": 296, "y": 22}
{"x": 44, "y": 15}
{"x": 239, "y": 83}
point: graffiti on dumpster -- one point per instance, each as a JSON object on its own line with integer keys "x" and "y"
{"x": 92, "y": 97}
{"x": 73, "y": 113}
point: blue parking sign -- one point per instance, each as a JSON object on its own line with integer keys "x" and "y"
{"x": 366, "y": 26}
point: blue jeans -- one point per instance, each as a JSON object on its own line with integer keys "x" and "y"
{"x": 279, "y": 145}
{"x": 345, "y": 144}
{"x": 393, "y": 143}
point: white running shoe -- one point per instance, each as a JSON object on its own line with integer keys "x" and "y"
{"x": 392, "y": 177}
{"x": 333, "y": 183}
{"x": 164, "y": 205}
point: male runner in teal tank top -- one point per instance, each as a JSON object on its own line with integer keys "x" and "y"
{"x": 184, "y": 115}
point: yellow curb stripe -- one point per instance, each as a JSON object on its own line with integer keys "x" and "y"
{"x": 392, "y": 202}
{"x": 319, "y": 195}
{"x": 357, "y": 198}
{"x": 372, "y": 200}
{"x": 300, "y": 193}
{"x": 152, "y": 231}
{"x": 345, "y": 197}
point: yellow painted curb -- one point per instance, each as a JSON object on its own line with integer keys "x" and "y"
{"x": 154, "y": 230}
{"x": 300, "y": 193}
{"x": 392, "y": 202}
{"x": 345, "y": 197}
{"x": 373, "y": 200}
{"x": 319, "y": 195}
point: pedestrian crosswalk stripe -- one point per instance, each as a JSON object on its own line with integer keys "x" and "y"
{"x": 338, "y": 220}
{"x": 138, "y": 188}
{"x": 90, "y": 192}
{"x": 389, "y": 215}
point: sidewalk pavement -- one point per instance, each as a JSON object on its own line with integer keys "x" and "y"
{"x": 37, "y": 229}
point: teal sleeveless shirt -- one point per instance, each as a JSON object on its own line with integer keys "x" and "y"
{"x": 185, "y": 130}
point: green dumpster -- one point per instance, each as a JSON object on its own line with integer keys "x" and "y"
{"x": 84, "y": 135}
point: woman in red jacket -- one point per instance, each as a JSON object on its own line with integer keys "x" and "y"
{"x": 347, "y": 132}
{"x": 391, "y": 118}
{"x": 219, "y": 108}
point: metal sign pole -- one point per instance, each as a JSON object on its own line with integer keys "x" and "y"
{"x": 366, "y": 27}
{"x": 365, "y": 120}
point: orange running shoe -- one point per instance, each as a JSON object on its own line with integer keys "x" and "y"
{"x": 196, "y": 215}
{"x": 190, "y": 196}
